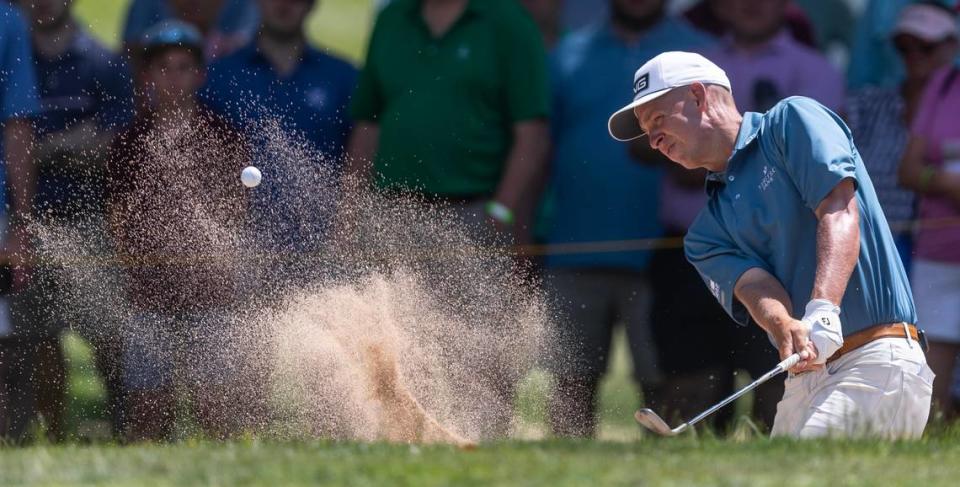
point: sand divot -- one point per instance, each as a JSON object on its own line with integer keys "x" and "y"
{"x": 356, "y": 315}
{"x": 404, "y": 419}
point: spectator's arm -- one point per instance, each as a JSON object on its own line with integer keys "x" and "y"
{"x": 361, "y": 151}
{"x": 19, "y": 102}
{"x": 526, "y": 163}
{"x": 915, "y": 174}
{"x": 21, "y": 180}
{"x": 526, "y": 81}
{"x": 366, "y": 106}
{"x": 21, "y": 172}
{"x": 80, "y": 144}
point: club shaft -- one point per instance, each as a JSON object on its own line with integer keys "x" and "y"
{"x": 779, "y": 369}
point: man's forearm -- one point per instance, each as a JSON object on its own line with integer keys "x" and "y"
{"x": 82, "y": 146}
{"x": 769, "y": 305}
{"x": 526, "y": 163}
{"x": 21, "y": 172}
{"x": 838, "y": 243}
{"x": 765, "y": 299}
{"x": 363, "y": 145}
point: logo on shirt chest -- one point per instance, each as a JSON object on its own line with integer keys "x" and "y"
{"x": 767, "y": 177}
{"x": 316, "y": 98}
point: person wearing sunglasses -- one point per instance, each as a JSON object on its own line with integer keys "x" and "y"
{"x": 926, "y": 40}
{"x": 931, "y": 167}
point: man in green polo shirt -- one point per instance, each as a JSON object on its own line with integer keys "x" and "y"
{"x": 452, "y": 105}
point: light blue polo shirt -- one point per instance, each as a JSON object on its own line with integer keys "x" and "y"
{"x": 761, "y": 214}
{"x": 601, "y": 193}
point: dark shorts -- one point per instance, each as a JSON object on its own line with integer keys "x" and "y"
{"x": 55, "y": 299}
{"x": 195, "y": 348}
{"x": 587, "y": 304}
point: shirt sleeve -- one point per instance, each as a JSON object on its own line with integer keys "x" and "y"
{"x": 719, "y": 261}
{"x": 816, "y": 149}
{"x": 524, "y": 69}
{"x": 18, "y": 85}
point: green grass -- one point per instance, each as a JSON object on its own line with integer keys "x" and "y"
{"x": 623, "y": 455}
{"x": 680, "y": 462}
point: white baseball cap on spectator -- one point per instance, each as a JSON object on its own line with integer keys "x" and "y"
{"x": 656, "y": 78}
{"x": 926, "y": 22}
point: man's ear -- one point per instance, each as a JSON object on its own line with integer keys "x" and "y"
{"x": 699, "y": 93}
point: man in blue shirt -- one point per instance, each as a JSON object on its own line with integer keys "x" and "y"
{"x": 595, "y": 290}
{"x": 85, "y": 97}
{"x": 280, "y": 78}
{"x": 18, "y": 104}
{"x": 792, "y": 217}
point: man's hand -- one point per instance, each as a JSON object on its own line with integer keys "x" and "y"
{"x": 793, "y": 337}
{"x": 823, "y": 321}
{"x": 769, "y": 305}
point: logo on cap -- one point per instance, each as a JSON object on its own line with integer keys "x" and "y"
{"x": 641, "y": 83}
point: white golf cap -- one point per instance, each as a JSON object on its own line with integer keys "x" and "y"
{"x": 658, "y": 76}
{"x": 927, "y": 22}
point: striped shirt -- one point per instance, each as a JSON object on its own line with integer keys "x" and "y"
{"x": 876, "y": 118}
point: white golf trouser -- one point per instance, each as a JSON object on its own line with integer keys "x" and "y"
{"x": 880, "y": 389}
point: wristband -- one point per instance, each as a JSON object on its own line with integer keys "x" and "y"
{"x": 926, "y": 176}
{"x": 499, "y": 212}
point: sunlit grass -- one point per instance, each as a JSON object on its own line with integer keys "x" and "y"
{"x": 339, "y": 25}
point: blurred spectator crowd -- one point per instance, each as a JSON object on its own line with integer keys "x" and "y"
{"x": 496, "y": 109}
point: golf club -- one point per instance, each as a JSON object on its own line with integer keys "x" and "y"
{"x": 655, "y": 423}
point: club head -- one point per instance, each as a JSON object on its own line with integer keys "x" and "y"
{"x": 653, "y": 422}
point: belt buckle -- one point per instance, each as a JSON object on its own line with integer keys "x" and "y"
{"x": 922, "y": 338}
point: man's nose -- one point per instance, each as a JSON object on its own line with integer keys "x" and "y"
{"x": 654, "y": 137}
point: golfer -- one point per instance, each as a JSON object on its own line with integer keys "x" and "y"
{"x": 793, "y": 237}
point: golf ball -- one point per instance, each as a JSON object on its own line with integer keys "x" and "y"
{"x": 250, "y": 177}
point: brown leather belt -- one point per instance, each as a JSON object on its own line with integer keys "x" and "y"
{"x": 863, "y": 337}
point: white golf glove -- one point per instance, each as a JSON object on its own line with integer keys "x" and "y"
{"x": 823, "y": 318}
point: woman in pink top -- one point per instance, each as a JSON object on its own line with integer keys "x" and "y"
{"x": 931, "y": 167}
